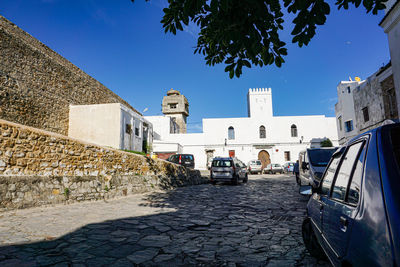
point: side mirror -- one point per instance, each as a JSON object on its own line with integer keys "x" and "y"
{"x": 305, "y": 190}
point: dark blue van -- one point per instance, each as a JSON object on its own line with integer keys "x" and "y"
{"x": 353, "y": 216}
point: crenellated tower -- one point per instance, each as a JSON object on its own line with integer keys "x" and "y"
{"x": 259, "y": 102}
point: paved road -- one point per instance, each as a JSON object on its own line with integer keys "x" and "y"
{"x": 253, "y": 224}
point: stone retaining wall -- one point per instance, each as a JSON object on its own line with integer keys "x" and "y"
{"x": 39, "y": 167}
{"x": 37, "y": 85}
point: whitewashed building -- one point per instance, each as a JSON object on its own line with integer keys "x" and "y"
{"x": 261, "y": 135}
{"x": 113, "y": 125}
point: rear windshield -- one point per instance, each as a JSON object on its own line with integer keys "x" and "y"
{"x": 320, "y": 157}
{"x": 187, "y": 157}
{"x": 256, "y": 162}
{"x": 276, "y": 165}
{"x": 222, "y": 163}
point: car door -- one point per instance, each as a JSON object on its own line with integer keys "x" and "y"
{"x": 316, "y": 207}
{"x": 341, "y": 206}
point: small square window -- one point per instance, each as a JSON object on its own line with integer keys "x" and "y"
{"x": 128, "y": 128}
{"x": 349, "y": 126}
{"x": 173, "y": 105}
{"x": 365, "y": 114}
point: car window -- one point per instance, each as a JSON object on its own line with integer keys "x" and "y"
{"x": 329, "y": 175}
{"x": 258, "y": 162}
{"x": 355, "y": 186}
{"x": 320, "y": 157}
{"x": 343, "y": 176}
{"x": 222, "y": 163}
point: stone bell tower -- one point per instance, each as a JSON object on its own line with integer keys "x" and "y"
{"x": 176, "y": 106}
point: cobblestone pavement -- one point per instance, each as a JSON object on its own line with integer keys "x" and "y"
{"x": 253, "y": 224}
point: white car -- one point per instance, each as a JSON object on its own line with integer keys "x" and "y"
{"x": 273, "y": 168}
{"x": 254, "y": 166}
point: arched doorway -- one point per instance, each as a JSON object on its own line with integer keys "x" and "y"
{"x": 263, "y": 156}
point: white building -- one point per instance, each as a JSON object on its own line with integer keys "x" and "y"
{"x": 261, "y": 135}
{"x": 113, "y": 125}
{"x": 391, "y": 25}
{"x": 344, "y": 110}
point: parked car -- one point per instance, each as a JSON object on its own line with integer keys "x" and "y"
{"x": 254, "y": 166}
{"x": 288, "y": 167}
{"x": 353, "y": 216}
{"x": 273, "y": 168}
{"x": 228, "y": 170}
{"x": 312, "y": 164}
{"x": 186, "y": 160}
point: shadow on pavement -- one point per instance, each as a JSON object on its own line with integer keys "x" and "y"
{"x": 253, "y": 224}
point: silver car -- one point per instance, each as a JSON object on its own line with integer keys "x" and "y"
{"x": 254, "y": 166}
{"x": 228, "y": 170}
{"x": 273, "y": 168}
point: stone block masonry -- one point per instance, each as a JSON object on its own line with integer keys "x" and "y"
{"x": 37, "y": 85}
{"x": 39, "y": 167}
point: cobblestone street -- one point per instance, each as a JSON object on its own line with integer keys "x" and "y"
{"x": 253, "y": 224}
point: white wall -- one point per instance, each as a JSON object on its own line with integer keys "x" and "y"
{"x": 259, "y": 102}
{"x": 105, "y": 125}
{"x": 247, "y": 143}
{"x": 345, "y": 109}
{"x": 391, "y": 26}
{"x": 99, "y": 124}
{"x": 161, "y": 126}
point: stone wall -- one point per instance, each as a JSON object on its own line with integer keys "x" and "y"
{"x": 37, "y": 84}
{"x": 368, "y": 95}
{"x": 39, "y": 167}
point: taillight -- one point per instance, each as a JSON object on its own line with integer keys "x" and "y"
{"x": 180, "y": 159}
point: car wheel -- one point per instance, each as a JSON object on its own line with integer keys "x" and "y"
{"x": 246, "y": 178}
{"x": 310, "y": 241}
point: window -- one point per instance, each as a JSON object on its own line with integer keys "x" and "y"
{"x": 128, "y": 128}
{"x": 173, "y": 105}
{"x": 340, "y": 122}
{"x": 349, "y": 126}
{"x": 329, "y": 175}
{"x": 136, "y": 131}
{"x": 365, "y": 114}
{"x": 231, "y": 133}
{"x": 287, "y": 155}
{"x": 348, "y": 89}
{"x": 343, "y": 176}
{"x": 262, "y": 132}
{"x": 293, "y": 130}
{"x": 222, "y": 163}
{"x": 355, "y": 186}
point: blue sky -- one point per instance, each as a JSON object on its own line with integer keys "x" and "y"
{"x": 123, "y": 45}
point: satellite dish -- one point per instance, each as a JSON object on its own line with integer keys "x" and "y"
{"x": 144, "y": 110}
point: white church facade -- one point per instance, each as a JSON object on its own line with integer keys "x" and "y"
{"x": 261, "y": 135}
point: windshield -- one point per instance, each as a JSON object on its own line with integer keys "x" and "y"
{"x": 276, "y": 165}
{"x": 320, "y": 157}
{"x": 222, "y": 163}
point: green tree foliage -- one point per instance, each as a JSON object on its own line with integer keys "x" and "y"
{"x": 326, "y": 143}
{"x": 246, "y": 32}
